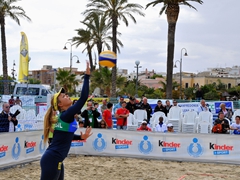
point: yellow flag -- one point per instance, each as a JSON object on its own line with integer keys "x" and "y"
{"x": 24, "y": 59}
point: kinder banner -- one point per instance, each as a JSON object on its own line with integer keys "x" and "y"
{"x": 22, "y": 147}
{"x": 166, "y": 146}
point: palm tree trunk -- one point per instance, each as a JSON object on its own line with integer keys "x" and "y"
{"x": 4, "y": 56}
{"x": 90, "y": 59}
{"x": 172, "y": 16}
{"x": 114, "y": 46}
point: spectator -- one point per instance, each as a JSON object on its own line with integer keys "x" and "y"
{"x": 103, "y": 124}
{"x": 121, "y": 115}
{"x": 175, "y": 103}
{"x": 236, "y": 126}
{"x": 131, "y": 105}
{"x": 144, "y": 126}
{"x": 227, "y": 112}
{"x": 107, "y": 115}
{"x": 161, "y": 127}
{"x": 7, "y": 119}
{"x": 199, "y": 94}
{"x": 203, "y": 107}
{"x": 90, "y": 115}
{"x": 80, "y": 124}
{"x": 118, "y": 105}
{"x": 11, "y": 101}
{"x": 18, "y": 101}
{"x": 159, "y": 107}
{"x": 104, "y": 105}
{"x": 167, "y": 107}
{"x": 169, "y": 128}
{"x": 223, "y": 122}
{"x": 147, "y": 108}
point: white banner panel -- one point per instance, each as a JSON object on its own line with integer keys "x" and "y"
{"x": 21, "y": 147}
{"x": 171, "y": 146}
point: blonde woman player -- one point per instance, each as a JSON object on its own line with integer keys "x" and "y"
{"x": 52, "y": 160}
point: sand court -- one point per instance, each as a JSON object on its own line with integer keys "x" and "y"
{"x": 115, "y": 168}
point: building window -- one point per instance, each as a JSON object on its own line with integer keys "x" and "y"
{"x": 186, "y": 85}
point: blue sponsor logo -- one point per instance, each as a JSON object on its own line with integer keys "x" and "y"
{"x": 42, "y": 146}
{"x": 16, "y": 149}
{"x": 145, "y": 146}
{"x": 220, "y": 152}
{"x": 169, "y": 149}
{"x": 195, "y": 149}
{"x": 99, "y": 144}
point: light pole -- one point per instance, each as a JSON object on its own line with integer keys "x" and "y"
{"x": 65, "y": 48}
{"x": 13, "y": 70}
{"x": 137, "y": 66}
{"x": 175, "y": 66}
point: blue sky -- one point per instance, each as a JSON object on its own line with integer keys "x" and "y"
{"x": 210, "y": 35}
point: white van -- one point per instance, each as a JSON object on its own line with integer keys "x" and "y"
{"x": 32, "y": 90}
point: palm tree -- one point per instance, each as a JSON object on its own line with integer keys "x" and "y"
{"x": 171, "y": 8}
{"x": 8, "y": 9}
{"x": 115, "y": 10}
{"x": 84, "y": 37}
{"x": 99, "y": 30}
{"x": 67, "y": 80}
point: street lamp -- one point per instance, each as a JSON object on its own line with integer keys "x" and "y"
{"x": 175, "y": 66}
{"x": 65, "y": 48}
{"x": 137, "y": 66}
{"x": 13, "y": 70}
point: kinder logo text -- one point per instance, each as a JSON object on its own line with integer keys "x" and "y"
{"x": 29, "y": 146}
{"x": 121, "y": 144}
{"x": 220, "y": 149}
{"x": 168, "y": 146}
{"x": 3, "y": 150}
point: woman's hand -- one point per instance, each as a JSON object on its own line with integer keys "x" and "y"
{"x": 87, "y": 133}
{"x": 88, "y": 72}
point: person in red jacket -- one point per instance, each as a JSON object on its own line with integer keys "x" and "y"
{"x": 121, "y": 115}
{"x": 144, "y": 126}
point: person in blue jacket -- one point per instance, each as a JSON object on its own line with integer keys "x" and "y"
{"x": 52, "y": 160}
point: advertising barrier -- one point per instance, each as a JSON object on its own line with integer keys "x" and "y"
{"x": 21, "y": 147}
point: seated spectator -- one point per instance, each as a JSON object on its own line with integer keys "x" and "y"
{"x": 144, "y": 126}
{"x": 159, "y": 107}
{"x": 203, "y": 106}
{"x": 236, "y": 126}
{"x": 161, "y": 127}
{"x": 169, "y": 128}
{"x": 80, "y": 124}
{"x": 167, "y": 107}
{"x": 103, "y": 124}
{"x": 18, "y": 101}
{"x": 227, "y": 112}
{"x": 221, "y": 125}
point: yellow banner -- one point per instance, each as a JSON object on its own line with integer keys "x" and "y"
{"x": 24, "y": 59}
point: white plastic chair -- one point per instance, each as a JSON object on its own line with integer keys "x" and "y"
{"x": 189, "y": 122}
{"x": 236, "y": 113}
{"x": 205, "y": 122}
{"x": 175, "y": 118}
{"x": 140, "y": 115}
{"x": 132, "y": 125}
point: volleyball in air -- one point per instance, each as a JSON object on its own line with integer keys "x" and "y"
{"x": 107, "y": 59}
